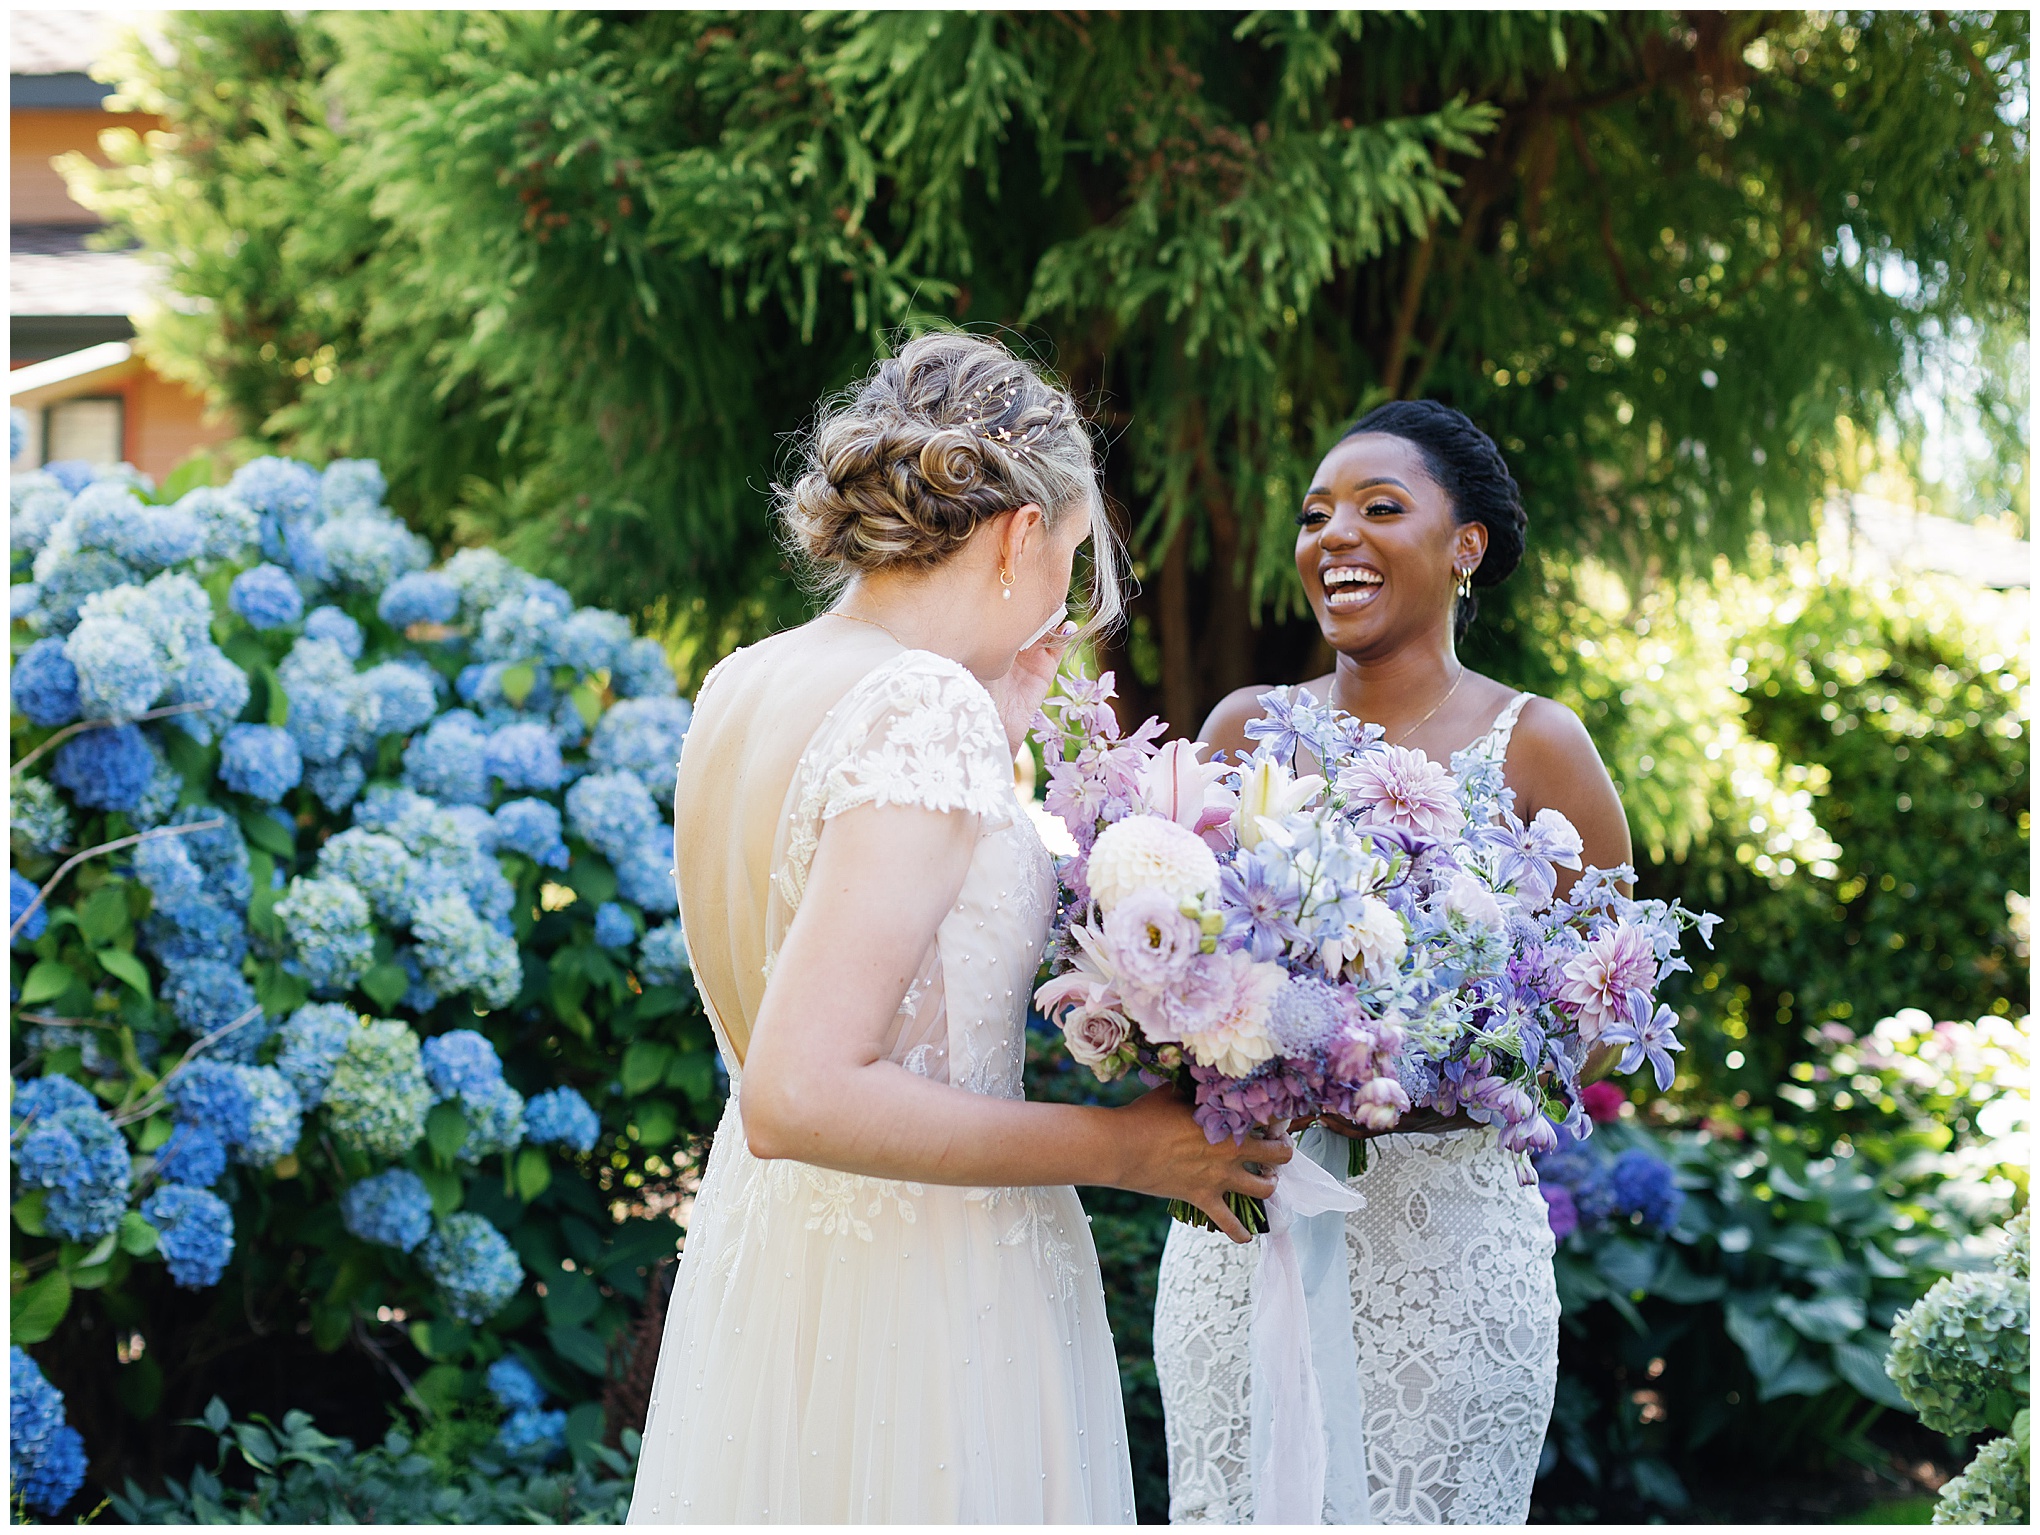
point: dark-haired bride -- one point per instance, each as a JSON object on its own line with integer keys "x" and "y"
{"x": 1455, "y": 1311}
{"x": 889, "y": 1309}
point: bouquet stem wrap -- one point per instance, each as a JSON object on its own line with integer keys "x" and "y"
{"x": 1309, "y": 1458}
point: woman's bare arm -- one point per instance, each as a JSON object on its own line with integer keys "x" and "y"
{"x": 1554, "y": 765}
{"x": 817, "y": 1087}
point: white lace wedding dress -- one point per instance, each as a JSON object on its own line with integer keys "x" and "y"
{"x": 850, "y": 1349}
{"x": 1455, "y": 1319}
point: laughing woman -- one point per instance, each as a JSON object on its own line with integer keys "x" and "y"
{"x": 1455, "y": 1312}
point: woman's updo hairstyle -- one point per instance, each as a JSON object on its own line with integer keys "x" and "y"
{"x": 1468, "y": 467}
{"x": 900, "y": 470}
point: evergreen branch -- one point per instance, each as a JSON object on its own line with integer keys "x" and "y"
{"x": 106, "y": 847}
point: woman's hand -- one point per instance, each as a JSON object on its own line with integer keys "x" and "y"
{"x": 1169, "y": 1156}
{"x": 1019, "y": 693}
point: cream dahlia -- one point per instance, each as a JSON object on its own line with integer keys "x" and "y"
{"x": 1145, "y": 852}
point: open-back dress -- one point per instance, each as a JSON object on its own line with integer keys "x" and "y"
{"x": 842, "y": 1348}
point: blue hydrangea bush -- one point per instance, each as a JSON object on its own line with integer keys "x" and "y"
{"x": 368, "y": 1005}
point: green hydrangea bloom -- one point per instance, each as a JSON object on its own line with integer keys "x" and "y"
{"x": 378, "y": 1096}
{"x": 1997, "y": 1487}
{"x": 2016, "y": 1259}
{"x": 1966, "y": 1337}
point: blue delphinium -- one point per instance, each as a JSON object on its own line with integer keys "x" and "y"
{"x": 533, "y": 1435}
{"x": 643, "y": 736}
{"x": 351, "y": 484}
{"x": 449, "y": 762}
{"x": 40, "y": 821}
{"x": 643, "y": 671}
{"x": 1643, "y": 1185}
{"x": 334, "y": 624}
{"x": 20, "y": 893}
{"x": 45, "y": 684}
{"x": 331, "y": 932}
{"x": 104, "y": 769}
{"x": 561, "y": 1118}
{"x": 662, "y": 956}
{"x": 512, "y": 1384}
{"x": 267, "y": 597}
{"x": 73, "y": 1150}
{"x": 393, "y": 1208}
{"x": 313, "y": 1040}
{"x": 421, "y": 597}
{"x": 531, "y": 827}
{"x": 194, "y": 1156}
{"x": 377, "y": 1097}
{"x": 473, "y": 1265}
{"x": 613, "y": 927}
{"x": 460, "y": 1061}
{"x": 403, "y": 696}
{"x": 260, "y": 761}
{"x": 46, "y": 1456}
{"x": 195, "y": 1233}
{"x": 525, "y": 756}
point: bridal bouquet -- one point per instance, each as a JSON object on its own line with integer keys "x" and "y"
{"x": 1283, "y": 946}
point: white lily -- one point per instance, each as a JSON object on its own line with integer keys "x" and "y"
{"x": 1268, "y": 793}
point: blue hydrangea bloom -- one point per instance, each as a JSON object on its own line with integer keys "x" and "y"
{"x": 161, "y": 793}
{"x": 662, "y": 956}
{"x": 313, "y": 1040}
{"x": 483, "y": 577}
{"x": 613, "y": 927}
{"x": 351, "y": 484}
{"x": 167, "y": 870}
{"x": 460, "y": 1062}
{"x": 461, "y": 952}
{"x": 522, "y": 627}
{"x": 337, "y": 783}
{"x": 330, "y": 712}
{"x": 377, "y": 1097}
{"x": 221, "y": 851}
{"x": 418, "y": 997}
{"x": 276, "y": 487}
{"x": 364, "y": 552}
{"x": 19, "y": 893}
{"x": 24, "y": 602}
{"x": 40, "y": 821}
{"x": 328, "y": 924}
{"x": 73, "y": 1150}
{"x": 613, "y": 813}
{"x": 45, "y": 684}
{"x": 74, "y": 474}
{"x": 393, "y": 1209}
{"x": 404, "y": 697}
{"x": 253, "y": 1109}
{"x": 377, "y": 865}
{"x": 449, "y": 761}
{"x": 260, "y": 761}
{"x": 160, "y": 537}
{"x": 105, "y": 769}
{"x": 211, "y": 679}
{"x": 531, "y": 827}
{"x": 643, "y": 671}
{"x": 420, "y": 597}
{"x": 194, "y": 1156}
{"x": 645, "y": 874}
{"x": 495, "y": 1116}
{"x": 643, "y": 736}
{"x": 473, "y": 1264}
{"x": 209, "y": 994}
{"x": 229, "y": 529}
{"x": 195, "y": 1233}
{"x": 533, "y": 1435}
{"x": 334, "y": 624}
{"x": 512, "y": 1383}
{"x": 525, "y": 756}
{"x": 46, "y": 1456}
{"x": 593, "y": 640}
{"x": 119, "y": 671}
{"x": 267, "y": 597}
{"x": 561, "y": 1117}
{"x": 1643, "y": 1185}
{"x": 66, "y": 582}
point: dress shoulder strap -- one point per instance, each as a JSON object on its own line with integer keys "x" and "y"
{"x": 1497, "y": 738}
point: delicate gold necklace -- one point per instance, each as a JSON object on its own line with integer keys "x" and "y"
{"x": 1441, "y": 703}
{"x": 881, "y": 628}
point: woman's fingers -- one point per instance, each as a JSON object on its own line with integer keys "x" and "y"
{"x": 1223, "y": 1218}
{"x": 1257, "y": 1185}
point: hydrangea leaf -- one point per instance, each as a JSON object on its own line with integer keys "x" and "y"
{"x": 50, "y": 978}
{"x": 658, "y": 1002}
{"x": 386, "y": 983}
{"x": 517, "y": 682}
{"x": 571, "y": 1299}
{"x": 1860, "y": 1362}
{"x": 584, "y": 1430}
{"x": 644, "y": 1064}
{"x": 330, "y": 1326}
{"x": 693, "y": 1074}
{"x": 122, "y": 965}
{"x": 445, "y": 1188}
{"x": 533, "y": 1174}
{"x": 268, "y": 833}
{"x": 655, "y": 1121}
{"x": 38, "y": 1308}
{"x": 446, "y": 1129}
{"x": 276, "y": 711}
{"x": 587, "y": 703}
{"x": 28, "y": 1212}
{"x": 580, "y": 1347}
{"x": 137, "y": 1236}
{"x": 277, "y": 989}
{"x": 103, "y": 915}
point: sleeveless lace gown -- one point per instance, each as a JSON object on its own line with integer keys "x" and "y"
{"x": 1455, "y": 1315}
{"x": 842, "y": 1348}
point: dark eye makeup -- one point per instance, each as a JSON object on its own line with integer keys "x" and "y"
{"x": 1312, "y": 514}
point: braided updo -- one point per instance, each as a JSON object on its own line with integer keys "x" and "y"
{"x": 900, "y": 470}
{"x": 1469, "y": 468}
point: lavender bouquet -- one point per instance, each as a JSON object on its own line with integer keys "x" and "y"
{"x": 1351, "y": 944}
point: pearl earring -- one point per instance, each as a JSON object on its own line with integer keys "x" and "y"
{"x": 1006, "y": 581}
{"x": 1465, "y": 586}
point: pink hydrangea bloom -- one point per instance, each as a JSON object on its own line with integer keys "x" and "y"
{"x": 1597, "y": 983}
{"x": 1394, "y": 786}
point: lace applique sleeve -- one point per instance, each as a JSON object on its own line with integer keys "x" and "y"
{"x": 921, "y": 731}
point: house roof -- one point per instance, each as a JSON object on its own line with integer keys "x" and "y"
{"x": 82, "y": 283}
{"x": 43, "y": 43}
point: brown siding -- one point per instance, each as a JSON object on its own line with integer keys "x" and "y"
{"x": 42, "y": 133}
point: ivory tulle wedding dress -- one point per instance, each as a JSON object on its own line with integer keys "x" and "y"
{"x": 1455, "y": 1322}
{"x": 843, "y": 1348}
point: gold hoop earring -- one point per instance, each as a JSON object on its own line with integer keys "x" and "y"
{"x": 1465, "y": 586}
{"x": 1006, "y": 581}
